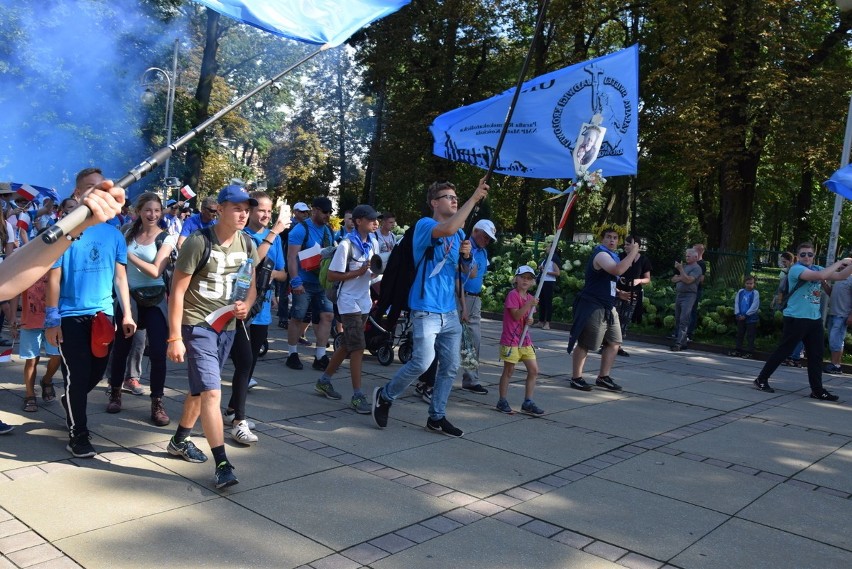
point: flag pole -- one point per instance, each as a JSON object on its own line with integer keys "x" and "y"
{"x": 77, "y": 216}
{"x": 538, "y": 27}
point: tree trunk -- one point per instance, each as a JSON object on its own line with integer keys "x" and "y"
{"x": 371, "y": 175}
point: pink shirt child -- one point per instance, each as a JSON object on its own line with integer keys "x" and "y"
{"x": 512, "y": 328}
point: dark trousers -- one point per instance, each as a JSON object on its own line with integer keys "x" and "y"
{"x": 747, "y": 331}
{"x": 151, "y": 319}
{"x": 244, "y": 352}
{"x": 81, "y": 370}
{"x": 545, "y": 302}
{"x": 810, "y": 333}
{"x": 284, "y": 301}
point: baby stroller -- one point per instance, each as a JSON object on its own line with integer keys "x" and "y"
{"x": 379, "y": 341}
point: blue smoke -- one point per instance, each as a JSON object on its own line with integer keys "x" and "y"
{"x": 69, "y": 87}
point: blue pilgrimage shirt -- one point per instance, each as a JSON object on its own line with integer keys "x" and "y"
{"x": 276, "y": 255}
{"x": 439, "y": 288}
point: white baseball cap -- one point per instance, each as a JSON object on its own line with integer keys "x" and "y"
{"x": 487, "y": 226}
{"x": 524, "y": 269}
{"x": 301, "y": 206}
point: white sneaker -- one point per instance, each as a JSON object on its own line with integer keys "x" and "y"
{"x": 242, "y": 434}
{"x": 228, "y": 418}
{"x": 252, "y": 383}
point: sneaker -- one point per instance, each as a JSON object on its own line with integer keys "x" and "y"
{"x": 158, "y": 412}
{"x": 187, "y": 450}
{"x": 381, "y": 408}
{"x": 424, "y": 391}
{"x": 303, "y": 340}
{"x": 545, "y": 326}
{"x": 282, "y": 324}
{"x": 579, "y": 383}
{"x": 80, "y": 447}
{"x": 293, "y": 361}
{"x": 746, "y": 355}
{"x": 530, "y": 408}
{"x": 443, "y": 426}
{"x": 832, "y": 369}
{"x": 133, "y": 386}
{"x": 622, "y": 353}
{"x": 224, "y": 475}
{"x": 320, "y": 364}
{"x": 607, "y": 383}
{"x": 327, "y": 389}
{"x": 477, "y": 389}
{"x": 5, "y": 428}
{"x": 503, "y": 407}
{"x": 252, "y": 383}
{"x": 825, "y": 396}
{"x": 114, "y": 405}
{"x": 242, "y": 434}
{"x": 228, "y": 416}
{"x": 763, "y": 386}
{"x": 734, "y": 353}
{"x": 360, "y": 404}
{"x": 676, "y": 348}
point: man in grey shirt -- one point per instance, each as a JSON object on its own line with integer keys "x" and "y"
{"x": 839, "y": 318}
{"x": 686, "y": 282}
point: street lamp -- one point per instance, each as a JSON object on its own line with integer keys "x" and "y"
{"x": 150, "y": 77}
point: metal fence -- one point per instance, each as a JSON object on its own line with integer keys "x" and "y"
{"x": 729, "y": 267}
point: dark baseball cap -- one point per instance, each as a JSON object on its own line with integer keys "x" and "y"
{"x": 365, "y": 210}
{"x": 322, "y": 203}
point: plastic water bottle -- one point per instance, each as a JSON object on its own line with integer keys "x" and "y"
{"x": 243, "y": 281}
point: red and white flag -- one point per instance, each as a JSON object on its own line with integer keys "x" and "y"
{"x": 6, "y": 356}
{"x": 218, "y": 319}
{"x": 28, "y": 192}
{"x": 23, "y": 221}
{"x": 187, "y": 192}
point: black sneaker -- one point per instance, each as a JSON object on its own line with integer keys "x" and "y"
{"x": 478, "y": 389}
{"x": 187, "y": 450}
{"x": 825, "y": 396}
{"x": 80, "y": 447}
{"x": 443, "y": 426}
{"x": 224, "y": 475}
{"x": 293, "y": 361}
{"x": 764, "y": 386}
{"x": 832, "y": 369}
{"x": 580, "y": 383}
{"x": 607, "y": 383}
{"x": 676, "y": 348}
{"x": 424, "y": 391}
{"x": 622, "y": 353}
{"x": 381, "y": 408}
{"x": 320, "y": 364}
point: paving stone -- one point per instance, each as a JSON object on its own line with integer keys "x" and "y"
{"x": 771, "y": 476}
{"x": 459, "y": 498}
{"x": 513, "y": 518}
{"x": 61, "y": 466}
{"x": 364, "y": 553}
{"x": 348, "y": 458}
{"x": 35, "y": 555}
{"x": 605, "y": 550}
{"x": 573, "y": 476}
{"x": 717, "y": 462}
{"x": 584, "y": 469}
{"x": 801, "y": 484}
{"x": 434, "y": 489}
{"x": 19, "y": 541}
{"x": 636, "y": 561}
{"x": 392, "y": 543}
{"x": 745, "y": 469}
{"x": 418, "y": 533}
{"x": 336, "y": 561}
{"x": 389, "y": 473}
{"x": 669, "y": 450}
{"x": 538, "y": 487}
{"x": 833, "y": 492}
{"x": 441, "y": 524}
{"x": 503, "y": 500}
{"x": 690, "y": 456}
{"x": 541, "y": 528}
{"x": 329, "y": 451}
{"x": 410, "y": 481}
{"x": 368, "y": 466}
{"x": 572, "y": 539}
{"x": 25, "y": 472}
{"x": 58, "y": 563}
{"x": 464, "y": 516}
{"x": 555, "y": 481}
{"x": 485, "y": 508}
{"x": 310, "y": 445}
{"x": 12, "y": 527}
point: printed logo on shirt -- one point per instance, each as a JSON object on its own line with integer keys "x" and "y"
{"x": 216, "y": 285}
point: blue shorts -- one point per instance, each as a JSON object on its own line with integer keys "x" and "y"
{"x": 314, "y": 296}
{"x": 30, "y": 343}
{"x": 836, "y": 332}
{"x": 206, "y": 353}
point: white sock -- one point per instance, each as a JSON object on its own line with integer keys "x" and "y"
{"x": 320, "y": 352}
{"x": 293, "y": 349}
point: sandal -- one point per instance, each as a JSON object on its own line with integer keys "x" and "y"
{"x": 30, "y": 405}
{"x": 48, "y": 393}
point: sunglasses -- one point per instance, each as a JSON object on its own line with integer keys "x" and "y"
{"x": 449, "y": 197}
{"x": 806, "y": 254}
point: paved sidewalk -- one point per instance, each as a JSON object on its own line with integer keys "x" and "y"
{"x": 689, "y": 467}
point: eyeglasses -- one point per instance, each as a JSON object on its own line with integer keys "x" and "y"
{"x": 806, "y": 254}
{"x": 211, "y": 210}
{"x": 450, "y": 197}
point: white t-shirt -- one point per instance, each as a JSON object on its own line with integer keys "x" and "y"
{"x": 354, "y": 294}
{"x": 546, "y": 277}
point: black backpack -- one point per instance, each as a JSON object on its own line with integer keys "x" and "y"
{"x": 398, "y": 277}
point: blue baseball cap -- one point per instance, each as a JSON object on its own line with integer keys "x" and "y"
{"x": 235, "y": 194}
{"x": 170, "y": 203}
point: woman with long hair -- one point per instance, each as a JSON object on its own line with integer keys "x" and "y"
{"x": 148, "y": 249}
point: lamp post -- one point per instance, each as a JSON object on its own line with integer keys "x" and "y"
{"x": 149, "y": 78}
{"x": 845, "y": 6}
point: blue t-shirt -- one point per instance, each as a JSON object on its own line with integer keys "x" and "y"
{"x": 805, "y": 302}
{"x": 317, "y": 235}
{"x": 480, "y": 260}
{"x": 439, "y": 290}
{"x": 88, "y": 271}
{"x": 275, "y": 254}
{"x": 192, "y": 224}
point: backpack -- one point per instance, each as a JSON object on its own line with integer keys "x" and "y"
{"x": 399, "y": 275}
{"x": 326, "y": 232}
{"x": 169, "y": 271}
{"x": 332, "y": 288}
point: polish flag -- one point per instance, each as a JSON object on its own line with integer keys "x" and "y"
{"x": 218, "y": 319}
{"x": 28, "y": 192}
{"x": 187, "y": 192}
{"x": 6, "y": 356}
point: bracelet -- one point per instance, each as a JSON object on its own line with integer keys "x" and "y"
{"x": 268, "y": 242}
{"x": 170, "y": 340}
{"x": 70, "y": 238}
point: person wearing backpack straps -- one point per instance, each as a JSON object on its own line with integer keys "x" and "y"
{"x": 200, "y": 330}
{"x": 438, "y": 242}
{"x": 803, "y": 319}
{"x": 306, "y": 287}
{"x": 350, "y": 269}
{"x": 249, "y": 338}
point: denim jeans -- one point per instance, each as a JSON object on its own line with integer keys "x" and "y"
{"x": 434, "y": 335}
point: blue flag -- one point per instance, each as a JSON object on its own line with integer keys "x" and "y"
{"x": 546, "y": 123}
{"x": 323, "y": 22}
{"x": 841, "y": 182}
